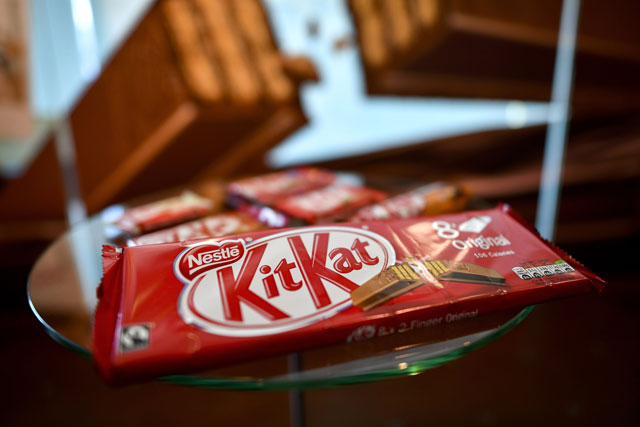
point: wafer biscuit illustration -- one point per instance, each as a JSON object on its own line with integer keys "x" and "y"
{"x": 457, "y": 271}
{"x": 392, "y": 282}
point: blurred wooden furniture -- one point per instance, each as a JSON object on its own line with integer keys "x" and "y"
{"x": 16, "y": 122}
{"x": 199, "y": 89}
{"x": 499, "y": 49}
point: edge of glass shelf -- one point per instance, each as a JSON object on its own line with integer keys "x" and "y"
{"x": 57, "y": 336}
{"x": 289, "y": 381}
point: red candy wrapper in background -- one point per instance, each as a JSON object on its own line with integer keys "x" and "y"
{"x": 211, "y": 226}
{"x": 432, "y": 199}
{"x": 299, "y": 196}
{"x": 184, "y": 307}
{"x": 268, "y": 189}
{"x": 156, "y": 215}
{"x": 333, "y": 203}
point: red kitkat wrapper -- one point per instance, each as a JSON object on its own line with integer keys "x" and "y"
{"x": 269, "y": 188}
{"x": 184, "y": 307}
{"x": 162, "y": 213}
{"x": 333, "y": 203}
{"x": 210, "y": 226}
{"x": 432, "y": 199}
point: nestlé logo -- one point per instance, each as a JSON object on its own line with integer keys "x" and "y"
{"x": 202, "y": 258}
{"x": 277, "y": 283}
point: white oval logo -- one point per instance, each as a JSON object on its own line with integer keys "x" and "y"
{"x": 281, "y": 282}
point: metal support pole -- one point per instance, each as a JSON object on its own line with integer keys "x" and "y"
{"x": 65, "y": 149}
{"x": 296, "y": 402}
{"x": 559, "y": 115}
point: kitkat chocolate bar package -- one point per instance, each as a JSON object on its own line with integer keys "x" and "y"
{"x": 201, "y": 304}
{"x": 268, "y": 189}
{"x": 209, "y": 226}
{"x": 300, "y": 196}
{"x": 165, "y": 212}
{"x": 333, "y": 203}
